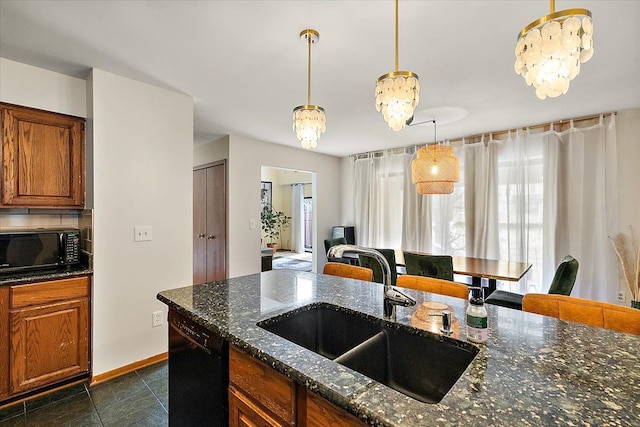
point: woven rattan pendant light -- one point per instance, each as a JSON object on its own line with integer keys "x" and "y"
{"x": 435, "y": 169}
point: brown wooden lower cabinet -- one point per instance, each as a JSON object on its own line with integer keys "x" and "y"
{"x": 48, "y": 338}
{"x": 322, "y": 413}
{"x": 243, "y": 412}
{"x": 260, "y": 396}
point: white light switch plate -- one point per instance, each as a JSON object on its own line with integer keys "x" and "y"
{"x": 142, "y": 233}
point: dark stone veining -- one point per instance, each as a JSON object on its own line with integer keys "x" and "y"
{"x": 534, "y": 370}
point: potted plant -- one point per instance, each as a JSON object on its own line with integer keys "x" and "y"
{"x": 273, "y": 224}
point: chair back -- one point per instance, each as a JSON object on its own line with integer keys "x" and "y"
{"x": 565, "y": 276}
{"x": 349, "y": 271}
{"x": 373, "y": 264}
{"x": 328, "y": 243}
{"x": 438, "y": 266}
{"x": 592, "y": 313}
{"x": 436, "y": 286}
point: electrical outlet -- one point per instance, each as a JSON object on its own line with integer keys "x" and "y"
{"x": 621, "y": 296}
{"x": 142, "y": 233}
{"x": 156, "y": 319}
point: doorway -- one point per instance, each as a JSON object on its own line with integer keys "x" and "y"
{"x": 291, "y": 193}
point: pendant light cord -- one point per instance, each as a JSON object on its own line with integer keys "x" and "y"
{"x": 396, "y": 35}
{"x": 553, "y": 7}
{"x": 308, "y": 69}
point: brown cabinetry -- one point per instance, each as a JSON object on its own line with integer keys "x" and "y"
{"x": 42, "y": 159}
{"x": 210, "y": 223}
{"x": 48, "y": 334}
{"x": 260, "y": 396}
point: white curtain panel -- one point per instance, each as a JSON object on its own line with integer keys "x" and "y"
{"x": 297, "y": 218}
{"x": 481, "y": 199}
{"x": 586, "y": 205}
{"x": 416, "y": 212}
{"x": 378, "y": 194}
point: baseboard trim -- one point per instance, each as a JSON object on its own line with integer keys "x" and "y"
{"x": 98, "y": 379}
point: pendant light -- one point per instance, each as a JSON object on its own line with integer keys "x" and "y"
{"x": 550, "y": 50}
{"x": 309, "y": 121}
{"x": 435, "y": 169}
{"x": 397, "y": 93}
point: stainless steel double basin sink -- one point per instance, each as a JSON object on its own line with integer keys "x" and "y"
{"x": 417, "y": 363}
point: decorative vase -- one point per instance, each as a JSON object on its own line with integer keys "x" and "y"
{"x": 635, "y": 304}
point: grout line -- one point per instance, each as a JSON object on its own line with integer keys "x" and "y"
{"x": 95, "y": 409}
{"x": 152, "y": 392}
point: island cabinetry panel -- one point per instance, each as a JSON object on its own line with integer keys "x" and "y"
{"x": 321, "y": 413}
{"x": 49, "y": 333}
{"x": 258, "y": 394}
{"x": 4, "y": 342}
{"x": 42, "y": 159}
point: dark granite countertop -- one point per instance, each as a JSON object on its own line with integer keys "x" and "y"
{"x": 21, "y": 278}
{"x": 534, "y": 370}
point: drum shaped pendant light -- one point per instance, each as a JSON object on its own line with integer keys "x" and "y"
{"x": 309, "y": 121}
{"x": 435, "y": 168}
{"x": 550, "y": 50}
{"x": 397, "y": 93}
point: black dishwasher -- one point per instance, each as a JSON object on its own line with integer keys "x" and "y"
{"x": 198, "y": 374}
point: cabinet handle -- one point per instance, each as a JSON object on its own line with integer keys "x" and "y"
{"x": 201, "y": 235}
{"x": 211, "y": 236}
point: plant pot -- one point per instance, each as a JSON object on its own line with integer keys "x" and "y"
{"x": 273, "y": 246}
{"x": 635, "y": 304}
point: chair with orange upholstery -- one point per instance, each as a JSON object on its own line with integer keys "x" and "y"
{"x": 433, "y": 285}
{"x": 349, "y": 271}
{"x": 592, "y": 313}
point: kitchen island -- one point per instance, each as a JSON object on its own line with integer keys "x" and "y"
{"x": 534, "y": 370}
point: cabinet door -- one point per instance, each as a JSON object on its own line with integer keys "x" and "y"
{"x": 43, "y": 158}
{"x": 216, "y": 223}
{"x": 321, "y": 413}
{"x": 210, "y": 223}
{"x": 244, "y": 413}
{"x": 4, "y": 342}
{"x": 48, "y": 343}
{"x": 199, "y": 226}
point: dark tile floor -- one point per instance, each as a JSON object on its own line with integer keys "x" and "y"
{"x": 136, "y": 399}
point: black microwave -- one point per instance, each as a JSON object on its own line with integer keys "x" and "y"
{"x": 22, "y": 250}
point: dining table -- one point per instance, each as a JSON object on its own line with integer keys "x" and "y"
{"x": 476, "y": 268}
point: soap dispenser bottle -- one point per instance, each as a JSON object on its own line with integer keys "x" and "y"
{"x": 477, "y": 317}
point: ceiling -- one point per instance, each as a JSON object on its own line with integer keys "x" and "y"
{"x": 246, "y": 68}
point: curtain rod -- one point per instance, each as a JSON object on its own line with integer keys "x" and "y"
{"x": 545, "y": 126}
{"x": 473, "y": 138}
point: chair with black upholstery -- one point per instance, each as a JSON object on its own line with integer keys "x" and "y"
{"x": 329, "y": 243}
{"x": 372, "y": 263}
{"x": 438, "y": 266}
{"x": 562, "y": 284}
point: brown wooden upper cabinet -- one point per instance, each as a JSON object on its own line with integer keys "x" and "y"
{"x": 42, "y": 159}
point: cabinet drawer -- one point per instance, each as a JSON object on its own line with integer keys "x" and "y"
{"x": 262, "y": 383}
{"x": 47, "y": 292}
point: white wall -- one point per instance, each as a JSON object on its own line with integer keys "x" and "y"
{"x": 34, "y": 87}
{"x": 246, "y": 156}
{"x": 211, "y": 151}
{"x": 143, "y": 162}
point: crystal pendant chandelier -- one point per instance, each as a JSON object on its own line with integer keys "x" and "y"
{"x": 550, "y": 50}
{"x": 309, "y": 121}
{"x": 435, "y": 169}
{"x": 397, "y": 93}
